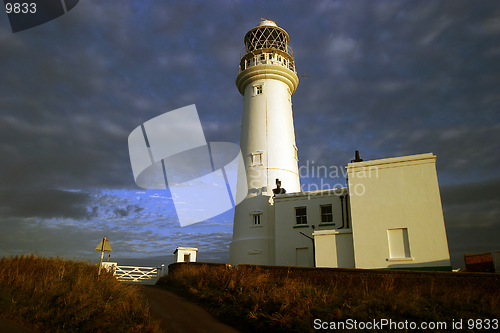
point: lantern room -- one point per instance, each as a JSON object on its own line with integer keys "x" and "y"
{"x": 267, "y": 44}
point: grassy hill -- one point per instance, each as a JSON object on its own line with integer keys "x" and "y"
{"x": 256, "y": 299}
{"x": 55, "y": 295}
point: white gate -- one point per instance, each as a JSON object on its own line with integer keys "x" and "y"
{"x": 135, "y": 274}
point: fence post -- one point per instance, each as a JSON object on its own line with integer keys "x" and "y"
{"x": 160, "y": 271}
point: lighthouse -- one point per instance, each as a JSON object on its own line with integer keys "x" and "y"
{"x": 267, "y": 80}
{"x": 381, "y": 220}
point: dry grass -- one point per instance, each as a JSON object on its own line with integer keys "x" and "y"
{"x": 263, "y": 300}
{"x": 55, "y": 295}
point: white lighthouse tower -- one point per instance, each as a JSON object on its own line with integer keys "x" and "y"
{"x": 267, "y": 79}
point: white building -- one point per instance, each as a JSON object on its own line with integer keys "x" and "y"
{"x": 389, "y": 216}
{"x": 185, "y": 254}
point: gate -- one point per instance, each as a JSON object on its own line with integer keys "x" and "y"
{"x": 135, "y": 274}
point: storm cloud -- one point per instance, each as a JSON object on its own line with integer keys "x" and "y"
{"x": 385, "y": 78}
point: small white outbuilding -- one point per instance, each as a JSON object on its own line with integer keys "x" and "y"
{"x": 185, "y": 254}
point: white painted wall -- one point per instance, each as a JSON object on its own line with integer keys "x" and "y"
{"x": 267, "y": 130}
{"x": 253, "y": 244}
{"x": 334, "y": 248}
{"x": 391, "y": 194}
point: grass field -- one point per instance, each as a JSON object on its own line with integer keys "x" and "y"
{"x": 55, "y": 295}
{"x": 254, "y": 299}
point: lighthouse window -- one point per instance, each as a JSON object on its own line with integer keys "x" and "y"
{"x": 326, "y": 214}
{"x": 256, "y": 219}
{"x": 257, "y": 158}
{"x": 300, "y": 215}
{"x": 270, "y": 57}
{"x": 262, "y": 56}
{"x": 279, "y": 58}
{"x": 258, "y": 90}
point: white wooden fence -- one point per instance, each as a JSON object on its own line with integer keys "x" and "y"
{"x": 135, "y": 274}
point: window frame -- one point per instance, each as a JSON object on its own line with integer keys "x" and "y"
{"x": 322, "y": 215}
{"x": 258, "y": 88}
{"x": 398, "y": 244}
{"x": 258, "y": 158}
{"x": 256, "y": 220}
{"x": 256, "y": 215}
{"x": 302, "y": 217}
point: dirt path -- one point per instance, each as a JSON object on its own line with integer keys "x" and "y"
{"x": 179, "y": 315}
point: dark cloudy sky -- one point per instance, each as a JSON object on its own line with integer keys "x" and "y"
{"x": 388, "y": 78}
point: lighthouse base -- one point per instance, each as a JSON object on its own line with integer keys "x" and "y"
{"x": 255, "y": 251}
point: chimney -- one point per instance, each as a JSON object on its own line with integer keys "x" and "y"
{"x": 356, "y": 157}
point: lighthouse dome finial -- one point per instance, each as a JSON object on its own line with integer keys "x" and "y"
{"x": 266, "y": 23}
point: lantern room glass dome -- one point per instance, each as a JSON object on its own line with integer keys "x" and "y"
{"x": 266, "y": 44}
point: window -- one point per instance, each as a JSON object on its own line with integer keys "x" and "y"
{"x": 300, "y": 215}
{"x": 258, "y": 89}
{"x": 257, "y": 158}
{"x": 187, "y": 258}
{"x": 279, "y": 58}
{"x": 256, "y": 219}
{"x": 262, "y": 56}
{"x": 399, "y": 247}
{"x": 326, "y": 214}
{"x": 270, "y": 57}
